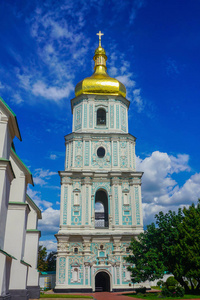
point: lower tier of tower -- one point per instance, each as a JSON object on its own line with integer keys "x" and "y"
{"x": 93, "y": 264}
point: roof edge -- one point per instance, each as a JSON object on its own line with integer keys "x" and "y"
{"x": 14, "y": 118}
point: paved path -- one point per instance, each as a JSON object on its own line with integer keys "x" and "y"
{"x": 110, "y": 296}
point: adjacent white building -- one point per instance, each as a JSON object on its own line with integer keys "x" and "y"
{"x": 101, "y": 208}
{"x": 19, "y": 236}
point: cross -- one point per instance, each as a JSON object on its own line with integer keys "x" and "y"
{"x": 100, "y": 34}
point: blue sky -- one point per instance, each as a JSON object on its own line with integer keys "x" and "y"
{"x": 152, "y": 46}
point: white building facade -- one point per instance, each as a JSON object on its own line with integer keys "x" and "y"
{"x": 101, "y": 209}
{"x": 19, "y": 215}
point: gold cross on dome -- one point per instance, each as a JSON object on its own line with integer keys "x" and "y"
{"x": 100, "y": 35}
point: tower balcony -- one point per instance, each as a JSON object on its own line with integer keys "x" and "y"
{"x": 101, "y": 220}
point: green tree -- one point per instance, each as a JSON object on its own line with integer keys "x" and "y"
{"x": 172, "y": 245}
{"x": 42, "y": 263}
{"x": 51, "y": 261}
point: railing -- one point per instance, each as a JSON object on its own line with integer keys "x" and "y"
{"x": 101, "y": 220}
{"x": 101, "y": 121}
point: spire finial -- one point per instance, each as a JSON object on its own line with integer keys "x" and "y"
{"x": 100, "y": 35}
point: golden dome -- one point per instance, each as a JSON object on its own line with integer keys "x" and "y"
{"x": 100, "y": 82}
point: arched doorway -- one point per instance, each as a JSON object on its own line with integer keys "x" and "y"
{"x": 101, "y": 209}
{"x": 102, "y": 282}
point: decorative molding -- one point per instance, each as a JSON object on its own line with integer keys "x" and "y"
{"x": 78, "y": 117}
{"x": 103, "y": 161}
{"x": 86, "y": 205}
{"x": 102, "y": 185}
{"x": 65, "y": 205}
{"x": 137, "y": 205}
{"x": 115, "y": 154}
{"x": 117, "y": 116}
{"x": 130, "y": 156}
{"x": 71, "y": 154}
{"x": 62, "y": 266}
{"x": 87, "y": 153}
{"x": 112, "y": 116}
{"x": 91, "y": 115}
{"x": 67, "y": 156}
{"x": 85, "y": 116}
{"x": 123, "y": 118}
{"x": 78, "y": 154}
{"x": 123, "y": 155}
{"x": 66, "y": 180}
{"x": 116, "y": 205}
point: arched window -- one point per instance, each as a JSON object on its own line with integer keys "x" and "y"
{"x": 101, "y": 210}
{"x": 101, "y": 116}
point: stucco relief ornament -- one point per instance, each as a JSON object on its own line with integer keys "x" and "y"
{"x": 115, "y": 181}
{"x": 87, "y": 180}
{"x": 62, "y": 247}
{"x": 101, "y": 161}
{"x": 123, "y": 155}
{"x": 78, "y": 158}
{"x": 66, "y": 180}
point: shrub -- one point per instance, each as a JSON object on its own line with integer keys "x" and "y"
{"x": 141, "y": 290}
{"x": 166, "y": 292}
{"x": 172, "y": 288}
{"x": 171, "y": 281}
{"x": 180, "y": 291}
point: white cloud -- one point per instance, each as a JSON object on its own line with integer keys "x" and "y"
{"x": 61, "y": 47}
{"x": 159, "y": 190}
{"x": 50, "y": 221}
{"x": 52, "y": 93}
{"x": 36, "y": 197}
{"x": 189, "y": 192}
{"x": 44, "y": 173}
{"x": 17, "y": 99}
{"x": 1, "y": 85}
{"x": 99, "y": 207}
{"x": 137, "y": 4}
{"x": 126, "y": 80}
{"x": 120, "y": 69}
{"x": 38, "y": 180}
{"x": 42, "y": 176}
{"x": 179, "y": 163}
{"x": 53, "y": 156}
{"x": 172, "y": 68}
{"x": 49, "y": 244}
{"x": 138, "y": 99}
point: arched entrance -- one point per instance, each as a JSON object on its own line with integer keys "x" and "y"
{"x": 101, "y": 209}
{"x": 102, "y": 282}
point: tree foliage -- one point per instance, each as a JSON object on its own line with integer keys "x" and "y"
{"x": 46, "y": 262}
{"x": 42, "y": 263}
{"x": 51, "y": 261}
{"x": 172, "y": 245}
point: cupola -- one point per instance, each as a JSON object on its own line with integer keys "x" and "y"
{"x": 100, "y": 82}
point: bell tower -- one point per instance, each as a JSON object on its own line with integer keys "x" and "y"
{"x": 101, "y": 208}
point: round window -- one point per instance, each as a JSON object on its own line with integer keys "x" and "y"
{"x": 101, "y": 152}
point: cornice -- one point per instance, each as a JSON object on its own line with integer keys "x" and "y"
{"x": 96, "y": 135}
{"x": 95, "y": 97}
{"x": 5, "y": 164}
{"x": 131, "y": 176}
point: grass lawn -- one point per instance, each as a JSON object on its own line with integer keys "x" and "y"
{"x": 156, "y": 288}
{"x": 63, "y": 296}
{"x": 157, "y": 296}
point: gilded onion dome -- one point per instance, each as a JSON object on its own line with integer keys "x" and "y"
{"x": 100, "y": 82}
